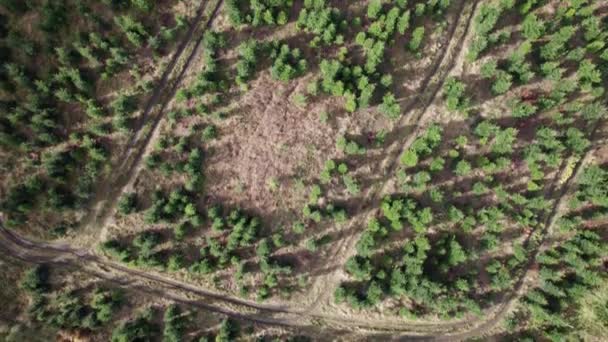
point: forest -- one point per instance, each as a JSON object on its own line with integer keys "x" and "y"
{"x": 192, "y": 170}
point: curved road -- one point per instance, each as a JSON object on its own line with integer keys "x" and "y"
{"x": 409, "y": 125}
{"x": 18, "y": 247}
{"x": 139, "y": 142}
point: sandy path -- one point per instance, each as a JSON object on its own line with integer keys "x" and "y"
{"x": 37, "y": 252}
{"x": 148, "y": 125}
{"x": 413, "y": 120}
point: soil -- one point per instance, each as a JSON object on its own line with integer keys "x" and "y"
{"x": 265, "y": 147}
{"x": 270, "y": 149}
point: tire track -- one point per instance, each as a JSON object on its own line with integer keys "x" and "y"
{"x": 13, "y": 253}
{"x": 132, "y": 160}
{"x": 416, "y": 118}
{"x": 53, "y": 252}
{"x": 551, "y": 220}
{"x": 361, "y": 324}
{"x": 16, "y": 247}
{"x": 502, "y": 310}
{"x": 24, "y": 250}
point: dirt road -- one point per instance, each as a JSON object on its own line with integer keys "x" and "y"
{"x": 158, "y": 285}
{"x": 411, "y": 123}
{"x": 147, "y": 125}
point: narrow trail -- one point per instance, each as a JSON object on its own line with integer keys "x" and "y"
{"x": 561, "y": 193}
{"x": 148, "y": 124}
{"x": 13, "y": 245}
{"x": 48, "y": 253}
{"x": 431, "y": 87}
{"x": 19, "y": 248}
{"x": 265, "y": 317}
{"x": 28, "y": 257}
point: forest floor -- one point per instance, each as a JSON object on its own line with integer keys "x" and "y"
{"x": 270, "y": 147}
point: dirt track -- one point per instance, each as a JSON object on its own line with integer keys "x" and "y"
{"x": 38, "y": 252}
{"x": 411, "y": 122}
{"x": 18, "y": 247}
{"x": 139, "y": 143}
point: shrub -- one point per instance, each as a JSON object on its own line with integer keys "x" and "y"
{"x": 175, "y": 262}
{"x": 140, "y": 328}
{"x": 116, "y": 250}
{"x": 105, "y": 303}
{"x": 35, "y": 280}
{"x": 366, "y": 244}
{"x": 127, "y": 203}
{"x": 174, "y": 324}
{"x": 588, "y": 75}
{"x": 321, "y": 20}
{"x": 360, "y": 268}
{"x": 417, "y": 37}
{"x": 409, "y": 158}
{"x": 144, "y": 5}
{"x": 53, "y": 16}
{"x": 554, "y": 48}
{"x": 463, "y": 168}
{"x": 390, "y": 107}
{"x": 287, "y": 63}
{"x": 485, "y": 21}
{"x": 532, "y": 27}
{"x": 373, "y": 8}
{"x": 503, "y": 143}
{"x": 264, "y": 249}
{"x": 503, "y": 82}
{"x": 209, "y": 133}
{"x": 298, "y": 227}
{"x": 133, "y": 29}
{"x": 489, "y": 69}
{"x": 404, "y": 22}
{"x": 248, "y": 56}
{"x": 228, "y": 331}
{"x": 437, "y": 164}
{"x": 351, "y": 184}
{"x": 455, "y": 95}
{"x": 523, "y": 109}
{"x": 395, "y": 210}
{"x": 349, "y": 147}
{"x": 325, "y": 176}
{"x": 180, "y": 230}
